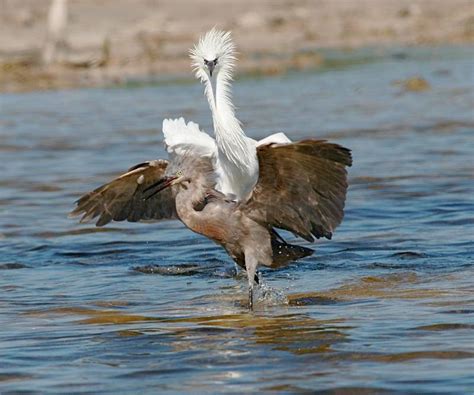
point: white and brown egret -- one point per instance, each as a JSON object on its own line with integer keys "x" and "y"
{"x": 233, "y": 190}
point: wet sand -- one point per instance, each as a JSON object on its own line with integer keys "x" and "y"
{"x": 121, "y": 41}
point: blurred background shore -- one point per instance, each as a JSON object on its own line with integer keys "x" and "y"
{"x": 58, "y": 44}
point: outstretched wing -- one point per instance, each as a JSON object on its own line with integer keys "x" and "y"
{"x": 125, "y": 199}
{"x": 301, "y": 187}
{"x": 182, "y": 138}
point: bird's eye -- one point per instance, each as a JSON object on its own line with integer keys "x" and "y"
{"x": 179, "y": 173}
{"x": 209, "y": 62}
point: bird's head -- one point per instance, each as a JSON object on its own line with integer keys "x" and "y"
{"x": 176, "y": 178}
{"x": 191, "y": 173}
{"x": 213, "y": 54}
{"x": 179, "y": 178}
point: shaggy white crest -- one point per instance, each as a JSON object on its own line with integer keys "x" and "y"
{"x": 215, "y": 44}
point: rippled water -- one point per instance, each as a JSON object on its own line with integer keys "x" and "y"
{"x": 386, "y": 306}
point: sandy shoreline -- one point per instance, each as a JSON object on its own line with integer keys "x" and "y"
{"x": 121, "y": 40}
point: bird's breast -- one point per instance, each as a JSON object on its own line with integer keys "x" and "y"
{"x": 214, "y": 221}
{"x": 211, "y": 229}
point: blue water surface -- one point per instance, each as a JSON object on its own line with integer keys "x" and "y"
{"x": 387, "y": 306}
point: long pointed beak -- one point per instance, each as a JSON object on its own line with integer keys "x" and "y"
{"x": 211, "y": 67}
{"x": 161, "y": 184}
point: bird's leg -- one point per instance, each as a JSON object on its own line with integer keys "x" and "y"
{"x": 251, "y": 266}
{"x": 251, "y": 297}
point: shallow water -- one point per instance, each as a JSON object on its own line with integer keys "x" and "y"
{"x": 386, "y": 306}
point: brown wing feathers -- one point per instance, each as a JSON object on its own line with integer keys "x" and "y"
{"x": 124, "y": 198}
{"x": 301, "y": 187}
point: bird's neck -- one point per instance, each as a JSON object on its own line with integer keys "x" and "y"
{"x": 232, "y": 143}
{"x": 187, "y": 198}
{"x": 192, "y": 209}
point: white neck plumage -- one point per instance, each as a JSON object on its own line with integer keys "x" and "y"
{"x": 231, "y": 140}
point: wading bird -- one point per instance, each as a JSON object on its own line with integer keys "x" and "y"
{"x": 215, "y": 190}
{"x": 213, "y": 59}
{"x": 301, "y": 188}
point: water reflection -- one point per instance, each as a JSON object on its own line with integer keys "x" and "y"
{"x": 296, "y": 333}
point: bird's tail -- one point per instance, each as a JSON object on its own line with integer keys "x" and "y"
{"x": 284, "y": 253}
